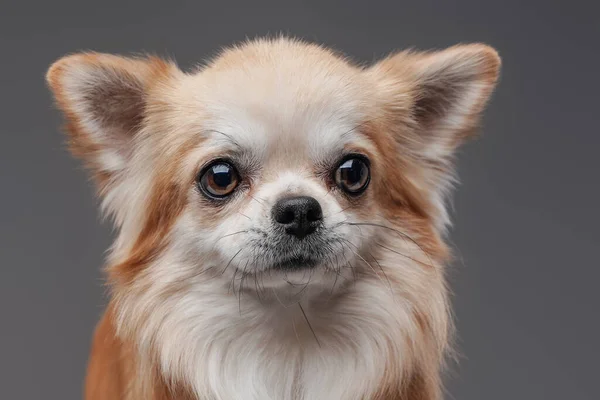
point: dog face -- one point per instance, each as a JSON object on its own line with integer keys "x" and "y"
{"x": 283, "y": 170}
{"x": 303, "y": 175}
{"x": 280, "y": 170}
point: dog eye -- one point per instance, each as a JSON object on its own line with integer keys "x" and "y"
{"x": 353, "y": 175}
{"x": 218, "y": 180}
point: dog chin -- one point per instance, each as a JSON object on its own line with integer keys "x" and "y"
{"x": 296, "y": 263}
{"x": 295, "y": 276}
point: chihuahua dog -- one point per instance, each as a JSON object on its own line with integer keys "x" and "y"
{"x": 280, "y": 218}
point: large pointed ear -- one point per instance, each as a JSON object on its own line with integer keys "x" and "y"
{"x": 448, "y": 90}
{"x": 437, "y": 98}
{"x": 104, "y": 98}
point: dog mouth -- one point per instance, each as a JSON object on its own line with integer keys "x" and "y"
{"x": 295, "y": 263}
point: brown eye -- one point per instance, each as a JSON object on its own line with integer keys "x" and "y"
{"x": 353, "y": 175}
{"x": 218, "y": 180}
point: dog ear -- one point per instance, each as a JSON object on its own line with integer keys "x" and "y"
{"x": 447, "y": 91}
{"x": 435, "y": 99}
{"x": 104, "y": 98}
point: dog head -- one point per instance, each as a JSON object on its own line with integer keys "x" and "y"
{"x": 280, "y": 158}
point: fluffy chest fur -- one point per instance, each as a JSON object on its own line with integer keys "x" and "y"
{"x": 355, "y": 343}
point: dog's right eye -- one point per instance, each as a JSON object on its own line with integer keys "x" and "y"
{"x": 218, "y": 180}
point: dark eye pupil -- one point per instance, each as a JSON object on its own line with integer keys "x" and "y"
{"x": 222, "y": 175}
{"x": 353, "y": 171}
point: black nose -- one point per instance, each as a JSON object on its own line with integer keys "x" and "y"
{"x": 299, "y": 215}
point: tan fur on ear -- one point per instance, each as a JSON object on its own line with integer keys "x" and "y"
{"x": 448, "y": 89}
{"x": 453, "y": 87}
{"x": 432, "y": 102}
{"x": 103, "y": 100}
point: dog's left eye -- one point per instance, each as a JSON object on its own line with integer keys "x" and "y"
{"x": 218, "y": 180}
{"x": 353, "y": 175}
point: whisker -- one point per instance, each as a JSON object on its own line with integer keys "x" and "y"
{"x": 328, "y": 192}
{"x": 309, "y": 325}
{"x": 232, "y": 284}
{"x": 262, "y": 279}
{"x": 349, "y": 265}
{"x": 292, "y": 283}
{"x": 244, "y": 274}
{"x": 353, "y": 269}
{"x": 255, "y": 199}
{"x": 231, "y": 234}
{"x": 187, "y": 279}
{"x": 349, "y": 248}
{"x": 256, "y": 287}
{"x": 301, "y": 292}
{"x": 403, "y": 255}
{"x": 296, "y": 332}
{"x": 344, "y": 222}
{"x": 337, "y": 212}
{"x": 400, "y": 233}
{"x": 337, "y": 274}
{"x": 241, "y": 213}
{"x": 229, "y": 263}
{"x": 278, "y": 300}
{"x": 380, "y": 267}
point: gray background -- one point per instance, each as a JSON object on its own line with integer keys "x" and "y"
{"x": 526, "y": 215}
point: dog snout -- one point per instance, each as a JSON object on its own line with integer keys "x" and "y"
{"x": 299, "y": 216}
